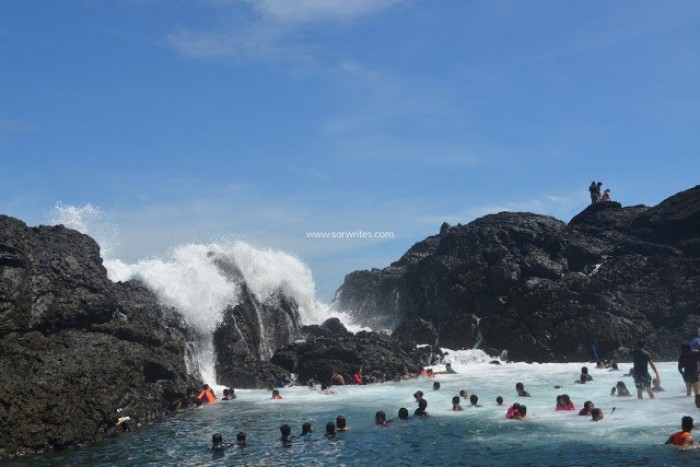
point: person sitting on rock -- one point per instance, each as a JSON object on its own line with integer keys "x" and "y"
{"x": 337, "y": 379}
{"x": 683, "y": 438}
{"x": 357, "y": 377}
{"x": 520, "y": 389}
{"x": 456, "y": 406}
{"x": 341, "y": 423}
{"x": 276, "y": 394}
{"x": 606, "y": 196}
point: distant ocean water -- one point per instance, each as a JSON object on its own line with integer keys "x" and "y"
{"x": 633, "y": 435}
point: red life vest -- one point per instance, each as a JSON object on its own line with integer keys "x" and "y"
{"x": 678, "y": 439}
{"x": 207, "y": 395}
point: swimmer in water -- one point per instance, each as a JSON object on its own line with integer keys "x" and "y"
{"x": 564, "y": 403}
{"x": 241, "y": 440}
{"x": 286, "y": 433}
{"x": 330, "y": 430}
{"x": 380, "y": 419}
{"x": 436, "y": 386}
{"x": 683, "y": 438}
{"x": 403, "y": 413}
{"x": 588, "y": 407}
{"x": 621, "y": 390}
{"x": 418, "y": 395}
{"x": 306, "y": 429}
{"x": 463, "y": 394}
{"x": 341, "y": 424}
{"x": 516, "y": 412}
{"x": 596, "y": 415}
{"x": 276, "y": 394}
{"x": 474, "y": 400}
{"x": 499, "y": 400}
{"x": 325, "y": 390}
{"x": 456, "y": 406}
{"x": 585, "y": 375}
{"x": 520, "y": 389}
{"x": 217, "y": 443}
{"x": 422, "y": 405}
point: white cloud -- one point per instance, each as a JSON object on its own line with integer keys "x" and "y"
{"x": 304, "y": 11}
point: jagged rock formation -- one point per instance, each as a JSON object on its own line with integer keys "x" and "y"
{"x": 381, "y": 357}
{"x": 250, "y": 332}
{"x": 544, "y": 290}
{"x": 75, "y": 346}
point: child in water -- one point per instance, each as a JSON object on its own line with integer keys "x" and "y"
{"x": 587, "y": 409}
{"x": 330, "y": 430}
{"x": 276, "y": 394}
{"x": 217, "y": 443}
{"x": 520, "y": 389}
{"x": 596, "y": 415}
{"x": 241, "y": 440}
{"x": 516, "y": 412}
{"x": 341, "y": 424}
{"x": 286, "y": 433}
{"x": 456, "y": 406}
{"x": 564, "y": 403}
{"x": 474, "y": 400}
{"x": 403, "y": 413}
{"x": 621, "y": 390}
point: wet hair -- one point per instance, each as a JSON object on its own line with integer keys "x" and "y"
{"x": 240, "y": 437}
{"x": 216, "y": 438}
{"x": 473, "y": 399}
{"x": 226, "y": 392}
{"x": 285, "y": 430}
{"x": 687, "y": 423}
{"x": 324, "y": 386}
{"x": 595, "y": 412}
{"x": 340, "y": 421}
{"x": 520, "y": 386}
{"x": 588, "y": 405}
{"x": 436, "y": 385}
{"x": 455, "y": 400}
{"x": 403, "y": 413}
{"x": 330, "y": 428}
{"x": 275, "y": 392}
{"x": 463, "y": 393}
{"x": 499, "y": 400}
{"x": 306, "y": 428}
{"x": 423, "y": 404}
{"x": 613, "y": 365}
{"x": 418, "y": 394}
{"x": 565, "y": 399}
{"x": 380, "y": 416}
{"x": 205, "y": 386}
{"x": 584, "y": 370}
{"x": 560, "y": 400}
{"x": 523, "y": 410}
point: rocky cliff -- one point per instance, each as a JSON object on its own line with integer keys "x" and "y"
{"x": 75, "y": 346}
{"x": 545, "y": 290}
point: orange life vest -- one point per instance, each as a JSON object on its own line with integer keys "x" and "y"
{"x": 677, "y": 439}
{"x": 207, "y": 395}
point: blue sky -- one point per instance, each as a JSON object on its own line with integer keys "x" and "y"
{"x": 208, "y": 120}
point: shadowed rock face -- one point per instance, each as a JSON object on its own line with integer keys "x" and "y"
{"x": 74, "y": 346}
{"x": 545, "y": 290}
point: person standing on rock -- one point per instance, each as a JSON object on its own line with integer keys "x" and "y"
{"x": 595, "y": 191}
{"x": 640, "y": 371}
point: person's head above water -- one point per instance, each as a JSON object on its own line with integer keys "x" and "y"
{"x": 455, "y": 400}
{"x": 473, "y": 399}
{"x": 422, "y": 404}
{"x": 687, "y": 423}
{"x": 499, "y": 400}
{"x": 584, "y": 370}
{"x": 216, "y": 438}
{"x": 340, "y": 422}
{"x": 379, "y": 417}
{"x": 523, "y": 410}
{"x": 418, "y": 395}
{"x": 436, "y": 386}
{"x": 286, "y": 431}
{"x": 463, "y": 393}
{"x": 588, "y": 405}
{"x": 403, "y": 413}
{"x": 306, "y": 428}
{"x": 240, "y": 437}
{"x": 596, "y": 414}
{"x": 330, "y": 429}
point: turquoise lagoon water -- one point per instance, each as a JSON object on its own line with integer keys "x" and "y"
{"x": 631, "y": 435}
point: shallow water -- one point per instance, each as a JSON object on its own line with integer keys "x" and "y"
{"x": 633, "y": 435}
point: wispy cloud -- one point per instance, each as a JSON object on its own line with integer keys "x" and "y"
{"x": 268, "y": 29}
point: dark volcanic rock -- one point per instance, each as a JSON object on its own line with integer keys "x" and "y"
{"x": 249, "y": 333}
{"x": 74, "y": 346}
{"x": 544, "y": 290}
{"x": 379, "y": 356}
{"x": 329, "y": 328}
